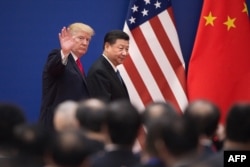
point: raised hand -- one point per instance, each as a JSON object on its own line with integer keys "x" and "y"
{"x": 67, "y": 41}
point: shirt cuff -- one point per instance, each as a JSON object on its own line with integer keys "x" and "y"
{"x": 64, "y": 58}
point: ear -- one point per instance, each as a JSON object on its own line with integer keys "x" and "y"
{"x": 106, "y": 45}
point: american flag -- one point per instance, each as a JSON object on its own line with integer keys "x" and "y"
{"x": 155, "y": 69}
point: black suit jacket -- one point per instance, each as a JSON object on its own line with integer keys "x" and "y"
{"x": 104, "y": 83}
{"x": 59, "y": 83}
{"x": 115, "y": 158}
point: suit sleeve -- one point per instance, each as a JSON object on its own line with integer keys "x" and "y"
{"x": 54, "y": 63}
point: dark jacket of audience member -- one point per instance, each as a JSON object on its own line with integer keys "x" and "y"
{"x": 123, "y": 123}
{"x": 91, "y": 116}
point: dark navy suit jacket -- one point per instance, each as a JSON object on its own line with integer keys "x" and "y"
{"x": 59, "y": 83}
{"x": 104, "y": 83}
{"x": 115, "y": 158}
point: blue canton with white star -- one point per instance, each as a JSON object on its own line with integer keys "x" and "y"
{"x": 141, "y": 11}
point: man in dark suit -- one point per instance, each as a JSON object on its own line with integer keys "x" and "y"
{"x": 205, "y": 115}
{"x": 91, "y": 117}
{"x": 237, "y": 135}
{"x": 153, "y": 112}
{"x": 63, "y": 75}
{"x": 123, "y": 122}
{"x": 103, "y": 78}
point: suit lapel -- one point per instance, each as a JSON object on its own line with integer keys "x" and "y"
{"x": 114, "y": 75}
{"x": 72, "y": 61}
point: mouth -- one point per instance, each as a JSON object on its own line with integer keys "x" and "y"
{"x": 83, "y": 48}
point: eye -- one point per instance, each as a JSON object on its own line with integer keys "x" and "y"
{"x": 87, "y": 39}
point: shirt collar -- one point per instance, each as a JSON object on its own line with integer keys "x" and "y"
{"x": 74, "y": 56}
{"x": 114, "y": 67}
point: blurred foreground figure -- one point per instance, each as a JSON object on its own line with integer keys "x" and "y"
{"x": 205, "y": 115}
{"x": 65, "y": 116}
{"x": 91, "y": 115}
{"x": 10, "y": 117}
{"x": 123, "y": 123}
{"x": 153, "y": 113}
{"x": 237, "y": 133}
{"x": 69, "y": 148}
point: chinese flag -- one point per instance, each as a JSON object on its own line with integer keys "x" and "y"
{"x": 219, "y": 68}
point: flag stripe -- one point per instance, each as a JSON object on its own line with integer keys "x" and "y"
{"x": 176, "y": 69}
{"x": 175, "y": 73}
{"x": 150, "y": 59}
{"x": 137, "y": 81}
{"x": 144, "y": 73}
{"x": 169, "y": 50}
{"x": 137, "y": 101}
{"x": 169, "y": 28}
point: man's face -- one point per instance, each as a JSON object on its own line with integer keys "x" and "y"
{"x": 82, "y": 40}
{"x": 117, "y": 52}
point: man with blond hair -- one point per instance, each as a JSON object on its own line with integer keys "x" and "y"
{"x": 63, "y": 75}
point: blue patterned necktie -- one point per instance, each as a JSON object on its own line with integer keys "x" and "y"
{"x": 119, "y": 76}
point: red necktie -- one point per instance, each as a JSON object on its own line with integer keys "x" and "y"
{"x": 79, "y": 64}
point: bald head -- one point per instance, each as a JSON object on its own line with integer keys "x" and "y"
{"x": 65, "y": 116}
{"x": 157, "y": 110}
{"x": 201, "y": 107}
{"x": 204, "y": 114}
{"x": 93, "y": 103}
{"x": 91, "y": 114}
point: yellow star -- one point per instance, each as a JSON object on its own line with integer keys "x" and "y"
{"x": 245, "y": 8}
{"x": 209, "y": 19}
{"x": 230, "y": 23}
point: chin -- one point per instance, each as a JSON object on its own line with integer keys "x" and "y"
{"x": 83, "y": 53}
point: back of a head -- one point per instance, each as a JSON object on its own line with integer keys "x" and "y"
{"x": 123, "y": 122}
{"x": 32, "y": 139}
{"x": 153, "y": 112}
{"x": 70, "y": 148}
{"x": 205, "y": 115}
{"x": 91, "y": 114}
{"x": 10, "y": 117}
{"x": 32, "y": 145}
{"x": 65, "y": 116}
{"x": 156, "y": 110}
{"x": 179, "y": 136}
{"x": 238, "y": 123}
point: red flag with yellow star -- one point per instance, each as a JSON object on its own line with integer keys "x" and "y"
{"x": 219, "y": 68}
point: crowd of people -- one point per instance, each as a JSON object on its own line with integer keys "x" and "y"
{"x": 94, "y": 133}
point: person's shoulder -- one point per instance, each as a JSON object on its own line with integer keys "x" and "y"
{"x": 54, "y": 51}
{"x": 99, "y": 60}
{"x": 215, "y": 160}
{"x": 98, "y": 157}
{"x": 98, "y": 64}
